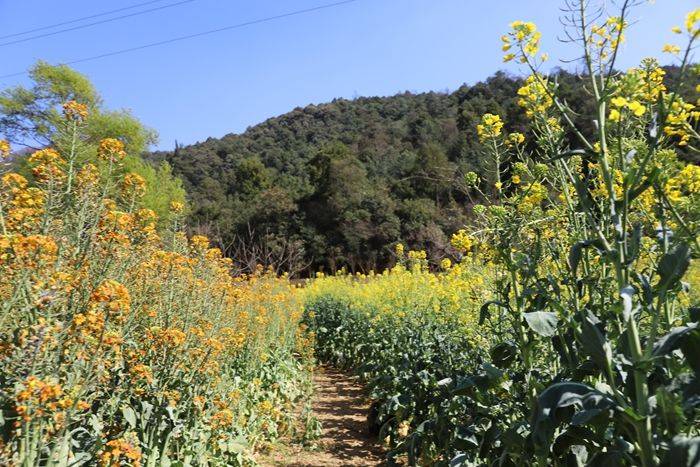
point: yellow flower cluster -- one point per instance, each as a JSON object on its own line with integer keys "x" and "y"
{"x": 23, "y": 204}
{"x": 619, "y": 103}
{"x": 516, "y": 138}
{"x": 608, "y": 36}
{"x": 533, "y": 195}
{"x": 462, "y": 241}
{"x": 112, "y": 150}
{"x": 490, "y": 127}
{"x": 685, "y": 183}
{"x": 121, "y": 451}
{"x": 691, "y": 22}
{"x": 451, "y": 296}
{"x": 47, "y": 166}
{"x": 4, "y": 149}
{"x": 30, "y": 251}
{"x": 177, "y": 207}
{"x": 133, "y": 185}
{"x": 445, "y": 264}
{"x": 643, "y": 84}
{"x": 679, "y": 118}
{"x": 523, "y": 35}
{"x": 36, "y": 397}
{"x": 671, "y": 49}
{"x": 534, "y": 97}
{"x": 75, "y": 111}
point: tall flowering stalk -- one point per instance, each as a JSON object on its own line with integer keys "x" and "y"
{"x": 594, "y": 240}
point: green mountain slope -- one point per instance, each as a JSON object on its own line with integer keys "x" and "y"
{"x": 338, "y": 184}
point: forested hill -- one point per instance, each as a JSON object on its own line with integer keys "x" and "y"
{"x": 338, "y": 184}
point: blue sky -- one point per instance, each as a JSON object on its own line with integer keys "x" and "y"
{"x": 223, "y": 83}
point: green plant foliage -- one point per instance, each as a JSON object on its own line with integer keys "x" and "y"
{"x": 592, "y": 352}
{"x": 166, "y": 187}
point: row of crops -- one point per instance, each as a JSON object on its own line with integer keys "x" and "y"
{"x": 568, "y": 334}
{"x": 125, "y": 344}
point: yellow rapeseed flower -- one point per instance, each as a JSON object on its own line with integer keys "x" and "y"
{"x": 133, "y": 184}
{"x": 516, "y": 138}
{"x": 75, "y": 111}
{"x": 526, "y": 36}
{"x": 111, "y": 149}
{"x": 176, "y": 207}
{"x": 534, "y": 96}
{"x": 462, "y": 241}
{"x": 691, "y": 21}
{"x": 490, "y": 127}
{"x": 636, "y": 108}
{"x": 618, "y": 101}
{"x": 4, "y": 149}
{"x": 671, "y": 49}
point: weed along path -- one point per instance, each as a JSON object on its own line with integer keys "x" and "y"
{"x": 340, "y": 404}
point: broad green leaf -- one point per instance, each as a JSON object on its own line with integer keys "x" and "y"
{"x": 576, "y": 252}
{"x": 672, "y": 266}
{"x": 546, "y": 417}
{"x": 574, "y": 435}
{"x": 673, "y": 340}
{"x": 594, "y": 342}
{"x": 694, "y": 313}
{"x": 504, "y": 354}
{"x": 683, "y": 452}
{"x": 669, "y": 410}
{"x": 484, "y": 311}
{"x": 465, "y": 438}
{"x": 129, "y": 416}
{"x": 543, "y": 323}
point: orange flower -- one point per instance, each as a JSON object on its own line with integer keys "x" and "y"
{"x": 121, "y": 452}
{"x": 111, "y": 149}
{"x": 199, "y": 242}
{"x": 34, "y": 250}
{"x": 13, "y": 182}
{"x": 221, "y": 419}
{"x": 88, "y": 176}
{"x": 133, "y": 185}
{"x": 75, "y": 111}
{"x": 113, "y": 296}
{"x": 46, "y": 165}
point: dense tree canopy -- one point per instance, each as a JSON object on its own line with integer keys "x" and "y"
{"x": 344, "y": 181}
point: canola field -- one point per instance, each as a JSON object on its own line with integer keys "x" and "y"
{"x": 562, "y": 329}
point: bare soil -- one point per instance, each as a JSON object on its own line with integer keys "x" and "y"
{"x": 341, "y": 405}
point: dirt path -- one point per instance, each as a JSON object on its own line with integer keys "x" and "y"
{"x": 341, "y": 406}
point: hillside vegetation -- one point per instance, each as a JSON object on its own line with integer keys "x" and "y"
{"x": 336, "y": 185}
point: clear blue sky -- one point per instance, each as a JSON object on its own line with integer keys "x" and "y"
{"x": 223, "y": 83}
